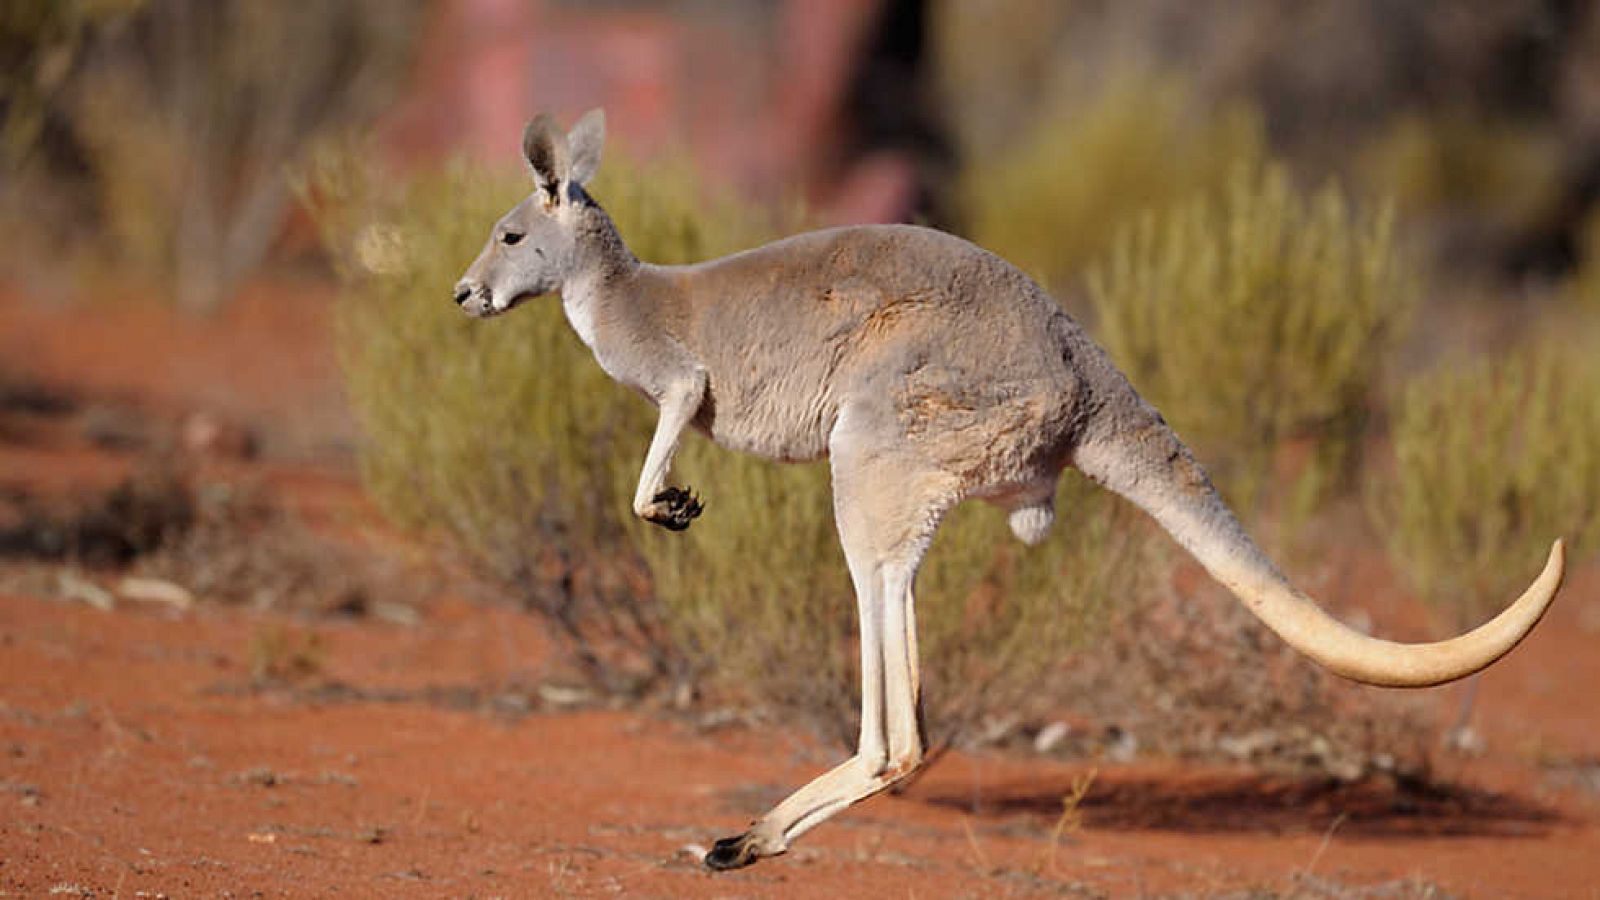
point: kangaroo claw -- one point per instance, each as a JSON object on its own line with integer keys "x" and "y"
{"x": 674, "y": 508}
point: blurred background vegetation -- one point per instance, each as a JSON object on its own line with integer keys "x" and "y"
{"x": 1340, "y": 244}
{"x": 169, "y": 127}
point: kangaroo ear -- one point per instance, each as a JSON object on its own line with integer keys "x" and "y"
{"x": 545, "y": 146}
{"x": 586, "y": 140}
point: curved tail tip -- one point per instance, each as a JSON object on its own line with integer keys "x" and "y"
{"x": 1556, "y": 566}
{"x": 1542, "y": 592}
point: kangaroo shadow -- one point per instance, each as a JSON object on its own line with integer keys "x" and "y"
{"x": 1269, "y": 804}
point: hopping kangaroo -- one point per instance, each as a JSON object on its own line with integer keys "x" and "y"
{"x": 927, "y": 371}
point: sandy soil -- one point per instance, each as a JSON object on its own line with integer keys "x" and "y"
{"x": 139, "y": 757}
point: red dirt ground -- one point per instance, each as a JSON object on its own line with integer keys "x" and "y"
{"x": 138, "y": 758}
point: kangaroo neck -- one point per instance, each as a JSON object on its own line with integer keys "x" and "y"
{"x": 597, "y": 295}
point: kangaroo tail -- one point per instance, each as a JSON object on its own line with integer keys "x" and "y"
{"x": 1148, "y": 465}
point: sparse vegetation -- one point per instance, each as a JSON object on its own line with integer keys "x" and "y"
{"x": 1070, "y": 822}
{"x": 151, "y": 507}
{"x": 1496, "y": 174}
{"x": 42, "y": 40}
{"x": 242, "y": 548}
{"x": 1256, "y": 318}
{"x": 1191, "y": 674}
{"x": 190, "y": 538}
{"x": 279, "y": 654}
{"x": 1493, "y": 460}
{"x": 182, "y": 116}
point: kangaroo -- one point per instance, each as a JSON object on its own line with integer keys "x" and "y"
{"x": 927, "y": 371}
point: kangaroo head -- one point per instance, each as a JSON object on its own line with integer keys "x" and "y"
{"x": 534, "y": 247}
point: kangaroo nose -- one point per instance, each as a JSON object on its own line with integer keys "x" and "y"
{"x": 463, "y": 291}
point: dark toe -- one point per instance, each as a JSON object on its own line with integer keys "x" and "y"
{"x": 682, "y": 507}
{"x": 672, "y": 495}
{"x": 731, "y": 853}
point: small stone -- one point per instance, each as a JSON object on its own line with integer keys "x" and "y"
{"x": 560, "y": 695}
{"x": 155, "y": 590}
{"x": 1051, "y": 736}
{"x": 74, "y": 587}
{"x": 205, "y": 434}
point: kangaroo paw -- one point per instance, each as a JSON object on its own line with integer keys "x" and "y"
{"x": 733, "y": 853}
{"x": 674, "y": 508}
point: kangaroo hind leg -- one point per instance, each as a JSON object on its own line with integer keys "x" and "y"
{"x": 886, "y": 520}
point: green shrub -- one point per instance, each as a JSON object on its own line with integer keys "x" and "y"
{"x": 1505, "y": 175}
{"x": 41, "y": 41}
{"x": 1052, "y": 202}
{"x": 187, "y": 114}
{"x": 1255, "y": 318}
{"x": 506, "y": 439}
{"x": 1493, "y": 460}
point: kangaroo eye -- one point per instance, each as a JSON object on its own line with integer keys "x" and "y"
{"x": 511, "y": 237}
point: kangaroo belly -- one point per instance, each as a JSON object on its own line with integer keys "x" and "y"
{"x": 784, "y": 415}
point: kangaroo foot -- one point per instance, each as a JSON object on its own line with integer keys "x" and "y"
{"x": 735, "y": 852}
{"x": 674, "y": 508}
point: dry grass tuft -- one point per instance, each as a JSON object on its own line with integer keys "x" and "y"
{"x": 135, "y": 517}
{"x": 1493, "y": 460}
{"x": 280, "y": 655}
